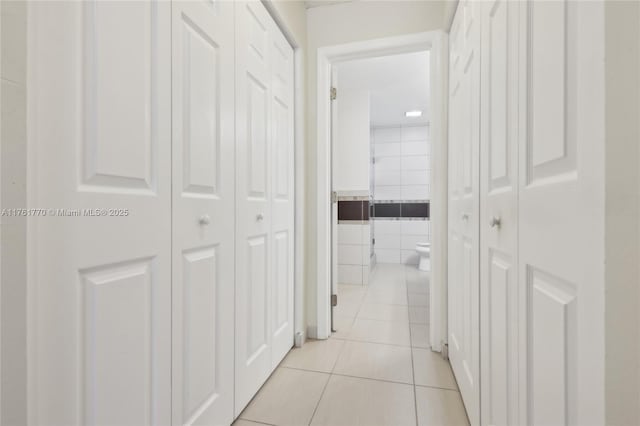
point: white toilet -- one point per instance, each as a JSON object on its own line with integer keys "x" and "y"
{"x": 424, "y": 251}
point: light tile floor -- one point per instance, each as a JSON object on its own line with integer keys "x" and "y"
{"x": 376, "y": 369}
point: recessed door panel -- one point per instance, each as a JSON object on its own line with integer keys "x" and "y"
{"x": 257, "y": 137}
{"x": 118, "y": 101}
{"x": 257, "y": 314}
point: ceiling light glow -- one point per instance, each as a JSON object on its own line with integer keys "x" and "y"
{"x": 413, "y": 114}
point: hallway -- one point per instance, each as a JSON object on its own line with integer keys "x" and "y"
{"x": 376, "y": 369}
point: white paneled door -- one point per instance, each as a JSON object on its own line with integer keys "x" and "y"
{"x": 264, "y": 217}
{"x": 502, "y": 328}
{"x": 100, "y": 266}
{"x": 203, "y": 212}
{"x": 561, "y": 194}
{"x": 464, "y": 134}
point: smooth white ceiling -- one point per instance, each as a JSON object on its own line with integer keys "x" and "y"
{"x": 396, "y": 84}
{"x": 316, "y": 3}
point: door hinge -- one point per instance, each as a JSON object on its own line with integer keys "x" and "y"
{"x": 334, "y": 197}
{"x": 373, "y": 241}
{"x": 333, "y": 94}
{"x": 445, "y": 350}
{"x": 334, "y": 300}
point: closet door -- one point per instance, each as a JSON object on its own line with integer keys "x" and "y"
{"x": 203, "y": 212}
{"x": 264, "y": 163}
{"x": 501, "y": 320}
{"x": 100, "y": 147}
{"x": 561, "y": 221}
{"x": 464, "y": 131}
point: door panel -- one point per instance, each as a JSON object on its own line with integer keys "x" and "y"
{"x": 501, "y": 324}
{"x": 100, "y": 308}
{"x": 264, "y": 152}
{"x": 203, "y": 212}
{"x": 561, "y": 265}
{"x": 464, "y": 205}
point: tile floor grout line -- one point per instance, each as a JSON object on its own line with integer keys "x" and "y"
{"x": 319, "y": 400}
{"x": 413, "y": 371}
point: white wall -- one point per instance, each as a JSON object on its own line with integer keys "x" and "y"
{"x": 622, "y": 213}
{"x": 402, "y": 168}
{"x": 339, "y": 24}
{"x": 13, "y": 78}
{"x": 351, "y": 148}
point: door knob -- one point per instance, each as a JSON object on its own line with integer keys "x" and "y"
{"x": 495, "y": 222}
{"x": 259, "y": 217}
{"x": 204, "y": 219}
{"x": 465, "y": 216}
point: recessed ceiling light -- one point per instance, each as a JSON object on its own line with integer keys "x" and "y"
{"x": 413, "y": 114}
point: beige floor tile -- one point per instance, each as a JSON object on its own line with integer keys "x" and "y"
{"x": 418, "y": 314}
{"x": 241, "y": 422}
{"x": 347, "y": 309}
{"x": 373, "y": 331}
{"x": 315, "y": 355}
{"x": 351, "y": 293}
{"x": 350, "y": 401}
{"x": 387, "y": 275}
{"x": 383, "y": 312}
{"x": 387, "y": 295}
{"x": 417, "y": 287}
{"x": 375, "y": 361}
{"x": 430, "y": 369}
{"x": 280, "y": 401}
{"x": 440, "y": 407}
{"x": 342, "y": 324}
{"x": 418, "y": 299}
{"x": 420, "y": 335}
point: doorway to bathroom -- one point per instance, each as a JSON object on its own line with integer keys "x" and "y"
{"x": 381, "y": 199}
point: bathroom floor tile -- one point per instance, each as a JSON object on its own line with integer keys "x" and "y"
{"x": 387, "y": 295}
{"x": 280, "y": 401}
{"x": 349, "y": 401}
{"x": 315, "y": 355}
{"x": 420, "y": 335}
{"x": 242, "y": 422}
{"x": 383, "y": 312}
{"x": 342, "y": 324}
{"x": 347, "y": 309}
{"x": 438, "y": 407}
{"x": 375, "y": 361}
{"x": 418, "y": 315}
{"x": 373, "y": 331}
{"x": 353, "y": 294}
{"x": 418, "y": 299}
{"x": 430, "y": 369}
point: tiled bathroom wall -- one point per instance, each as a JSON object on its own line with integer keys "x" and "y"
{"x": 402, "y": 166}
{"x": 354, "y": 248}
{"x": 401, "y": 191}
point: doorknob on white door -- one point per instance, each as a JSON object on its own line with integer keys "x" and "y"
{"x": 259, "y": 217}
{"x": 465, "y": 216}
{"x": 495, "y": 222}
{"x": 204, "y": 219}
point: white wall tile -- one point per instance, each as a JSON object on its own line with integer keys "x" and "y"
{"x": 387, "y": 255}
{"x": 409, "y": 242}
{"x": 349, "y": 234}
{"x": 350, "y": 274}
{"x": 388, "y": 134}
{"x": 415, "y": 133}
{"x": 409, "y": 257}
{"x": 388, "y": 177}
{"x": 349, "y": 254}
{"x": 415, "y": 148}
{"x": 387, "y": 149}
{"x": 415, "y": 227}
{"x": 388, "y": 163}
{"x": 388, "y": 241}
{"x": 415, "y": 177}
{"x": 417, "y": 162}
{"x": 415, "y": 192}
{"x": 382, "y": 226}
{"x": 388, "y": 192}
{"x": 366, "y": 235}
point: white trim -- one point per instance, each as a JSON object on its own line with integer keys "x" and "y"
{"x": 435, "y": 42}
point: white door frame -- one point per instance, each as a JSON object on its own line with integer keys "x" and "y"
{"x": 436, "y": 43}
